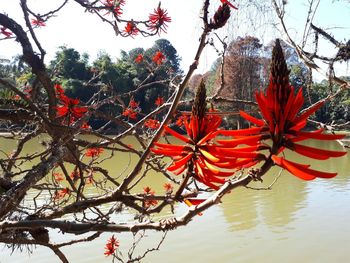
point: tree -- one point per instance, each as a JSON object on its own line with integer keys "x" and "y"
{"x": 81, "y": 197}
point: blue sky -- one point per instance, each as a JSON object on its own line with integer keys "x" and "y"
{"x": 86, "y": 33}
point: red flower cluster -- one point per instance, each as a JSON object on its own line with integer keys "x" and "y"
{"x": 158, "y": 58}
{"x": 152, "y": 124}
{"x": 168, "y": 187}
{"x": 85, "y": 126}
{"x": 69, "y": 106}
{"x": 139, "y": 58}
{"x": 131, "y": 29}
{"x": 282, "y": 122}
{"x": 149, "y": 202}
{"x": 133, "y": 104}
{"x": 157, "y": 20}
{"x": 3, "y": 31}
{"x": 58, "y": 177}
{"x": 61, "y": 193}
{"x": 114, "y": 7}
{"x": 159, "y": 101}
{"x": 38, "y": 22}
{"x": 59, "y": 90}
{"x": 200, "y": 153}
{"x": 94, "y": 152}
{"x": 111, "y": 246}
{"x": 131, "y": 112}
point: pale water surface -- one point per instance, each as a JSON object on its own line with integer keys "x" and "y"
{"x": 296, "y": 221}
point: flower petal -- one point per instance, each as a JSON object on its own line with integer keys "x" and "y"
{"x": 314, "y": 153}
{"x": 176, "y": 165}
{"x": 177, "y": 135}
{"x": 251, "y": 119}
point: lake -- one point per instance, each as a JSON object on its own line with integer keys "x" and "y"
{"x": 296, "y": 221}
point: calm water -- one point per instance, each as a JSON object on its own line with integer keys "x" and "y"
{"x": 296, "y": 221}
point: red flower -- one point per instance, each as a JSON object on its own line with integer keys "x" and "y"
{"x": 159, "y": 101}
{"x": 111, "y": 246}
{"x": 61, "y": 193}
{"x": 70, "y": 108}
{"x": 130, "y": 113}
{"x": 3, "y": 30}
{"x": 227, "y": 2}
{"x": 85, "y": 126}
{"x": 282, "y": 122}
{"x": 94, "y": 152}
{"x": 131, "y": 29}
{"x": 38, "y": 22}
{"x": 200, "y": 153}
{"x": 148, "y": 190}
{"x": 133, "y": 104}
{"x": 59, "y": 90}
{"x": 157, "y": 20}
{"x": 158, "y": 58}
{"x": 168, "y": 187}
{"x": 115, "y": 7}
{"x": 152, "y": 124}
{"x": 149, "y": 202}
{"x": 139, "y": 58}
{"x": 58, "y": 177}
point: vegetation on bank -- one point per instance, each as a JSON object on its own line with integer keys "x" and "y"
{"x": 245, "y": 71}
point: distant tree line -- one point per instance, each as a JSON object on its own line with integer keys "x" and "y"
{"x": 245, "y": 70}
{"x": 120, "y": 77}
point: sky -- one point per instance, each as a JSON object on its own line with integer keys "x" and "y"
{"x": 87, "y": 33}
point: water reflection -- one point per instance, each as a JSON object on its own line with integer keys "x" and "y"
{"x": 280, "y": 205}
{"x": 245, "y": 209}
{"x": 304, "y": 220}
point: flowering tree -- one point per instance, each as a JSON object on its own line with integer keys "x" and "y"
{"x": 75, "y": 194}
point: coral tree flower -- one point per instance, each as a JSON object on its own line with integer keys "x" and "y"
{"x": 130, "y": 113}
{"x": 59, "y": 194}
{"x": 282, "y": 122}
{"x": 38, "y": 22}
{"x": 131, "y": 29}
{"x": 70, "y": 108}
{"x": 139, "y": 59}
{"x": 94, "y": 152}
{"x": 133, "y": 104}
{"x": 111, "y": 246}
{"x": 114, "y": 7}
{"x": 201, "y": 157}
{"x": 149, "y": 202}
{"x": 152, "y": 124}
{"x": 158, "y": 19}
{"x": 168, "y": 187}
{"x": 159, "y": 101}
{"x": 58, "y": 177}
{"x": 158, "y": 58}
{"x": 59, "y": 90}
